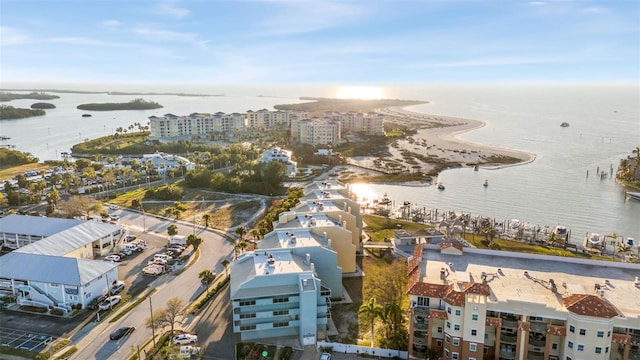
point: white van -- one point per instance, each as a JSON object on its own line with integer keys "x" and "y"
{"x": 178, "y": 240}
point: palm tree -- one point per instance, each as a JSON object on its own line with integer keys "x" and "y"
{"x": 255, "y": 233}
{"x": 207, "y": 276}
{"x": 206, "y": 218}
{"x": 240, "y": 230}
{"x": 373, "y": 311}
{"x": 226, "y": 262}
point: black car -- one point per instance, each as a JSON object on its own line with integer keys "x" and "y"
{"x": 95, "y": 302}
{"x": 123, "y": 331}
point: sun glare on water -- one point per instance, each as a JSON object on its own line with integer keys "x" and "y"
{"x": 361, "y": 92}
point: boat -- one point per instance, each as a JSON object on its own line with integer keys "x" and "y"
{"x": 86, "y": 115}
{"x": 475, "y": 168}
{"x": 440, "y": 186}
{"x": 630, "y": 242}
{"x": 564, "y": 124}
{"x": 514, "y": 225}
{"x": 560, "y": 232}
{"x": 486, "y": 183}
{"x": 2, "y": 137}
{"x": 385, "y": 200}
{"x": 633, "y": 195}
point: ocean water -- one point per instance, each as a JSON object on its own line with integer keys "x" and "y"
{"x": 554, "y": 189}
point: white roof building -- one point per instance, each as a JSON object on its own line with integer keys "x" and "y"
{"x": 282, "y": 156}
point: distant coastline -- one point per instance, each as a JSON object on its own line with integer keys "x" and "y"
{"x": 108, "y": 92}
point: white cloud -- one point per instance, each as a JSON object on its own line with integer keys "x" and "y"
{"x": 594, "y": 10}
{"x": 111, "y": 23}
{"x": 170, "y": 9}
{"x": 11, "y": 36}
{"x": 168, "y": 35}
{"x": 491, "y": 61}
{"x": 293, "y": 17}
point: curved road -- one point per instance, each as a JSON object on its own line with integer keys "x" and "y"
{"x": 93, "y": 341}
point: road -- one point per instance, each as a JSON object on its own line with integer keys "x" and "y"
{"x": 94, "y": 343}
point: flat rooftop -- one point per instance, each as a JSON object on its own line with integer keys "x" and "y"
{"x": 283, "y": 239}
{"x": 515, "y": 277}
{"x": 309, "y": 220}
{"x": 319, "y": 206}
{"x": 323, "y": 195}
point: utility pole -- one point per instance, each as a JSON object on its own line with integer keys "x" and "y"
{"x": 153, "y": 329}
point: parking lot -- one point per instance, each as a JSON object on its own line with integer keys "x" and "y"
{"x": 25, "y": 340}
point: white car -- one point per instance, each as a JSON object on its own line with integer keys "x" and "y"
{"x": 114, "y": 217}
{"x": 112, "y": 257}
{"x": 325, "y": 356}
{"x": 110, "y": 302}
{"x": 184, "y": 339}
{"x": 117, "y": 287}
{"x": 113, "y": 207}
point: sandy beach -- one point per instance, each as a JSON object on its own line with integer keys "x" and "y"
{"x": 436, "y": 142}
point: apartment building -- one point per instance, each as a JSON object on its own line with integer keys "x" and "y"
{"x": 196, "y": 125}
{"x": 266, "y": 120}
{"x": 276, "y": 293}
{"x": 355, "y": 122}
{"x": 482, "y": 304}
{"x": 316, "y": 131}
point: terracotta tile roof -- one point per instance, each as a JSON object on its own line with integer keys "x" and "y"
{"x": 556, "y": 330}
{"x": 623, "y": 339}
{"x": 453, "y": 297}
{"x": 493, "y": 321}
{"x": 427, "y": 290}
{"x": 437, "y": 314}
{"x": 415, "y": 260}
{"x": 589, "y": 305}
{"x": 414, "y": 278}
{"x": 449, "y": 245}
{"x": 476, "y": 288}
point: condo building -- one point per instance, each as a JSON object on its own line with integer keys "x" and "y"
{"x": 482, "y": 304}
{"x": 266, "y": 120}
{"x": 354, "y": 122}
{"x": 316, "y": 131}
{"x": 282, "y": 156}
{"x": 196, "y": 125}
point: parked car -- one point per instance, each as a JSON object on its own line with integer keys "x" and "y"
{"x": 117, "y": 287}
{"x": 113, "y": 207}
{"x": 110, "y": 302}
{"x": 153, "y": 270}
{"x": 157, "y": 262}
{"x": 120, "y": 332}
{"x": 187, "y": 351}
{"x": 96, "y": 302}
{"x": 112, "y": 257}
{"x": 325, "y": 356}
{"x": 114, "y": 217}
{"x": 130, "y": 238}
{"x": 184, "y": 339}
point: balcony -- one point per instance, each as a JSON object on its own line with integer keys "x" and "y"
{"x": 537, "y": 342}
{"x": 507, "y": 354}
{"x": 422, "y": 311}
{"x": 532, "y": 355}
{"x": 536, "y": 326}
{"x": 511, "y": 339}
{"x": 509, "y": 323}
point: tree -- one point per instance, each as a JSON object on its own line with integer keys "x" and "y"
{"x": 226, "y": 263}
{"x": 172, "y": 229}
{"x": 194, "y": 241}
{"x": 206, "y": 218}
{"x": 206, "y": 277}
{"x": 372, "y": 311}
{"x": 256, "y": 234}
{"x": 431, "y": 354}
{"x": 241, "y": 231}
{"x": 167, "y": 316}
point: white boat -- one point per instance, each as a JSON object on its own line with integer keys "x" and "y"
{"x": 560, "y": 231}
{"x": 514, "y": 225}
{"x": 440, "y": 186}
{"x": 633, "y": 195}
{"x": 564, "y": 124}
{"x": 594, "y": 240}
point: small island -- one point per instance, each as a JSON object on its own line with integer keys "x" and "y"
{"x": 6, "y": 96}
{"x": 43, "y": 105}
{"x": 136, "y": 104}
{"x": 10, "y": 112}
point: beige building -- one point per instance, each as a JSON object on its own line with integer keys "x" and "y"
{"x": 196, "y": 125}
{"x": 354, "y": 122}
{"x": 267, "y": 120}
{"x": 316, "y": 131}
{"x": 483, "y": 304}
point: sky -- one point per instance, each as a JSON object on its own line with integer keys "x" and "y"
{"x": 360, "y": 43}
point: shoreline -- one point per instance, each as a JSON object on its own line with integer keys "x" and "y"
{"x": 444, "y": 142}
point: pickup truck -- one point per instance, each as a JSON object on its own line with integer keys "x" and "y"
{"x": 154, "y": 269}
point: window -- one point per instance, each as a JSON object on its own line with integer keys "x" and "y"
{"x": 598, "y": 350}
{"x": 583, "y": 332}
{"x": 446, "y": 353}
{"x": 474, "y": 317}
{"x": 474, "y": 332}
{"x": 439, "y": 329}
{"x": 247, "y": 316}
{"x": 554, "y": 346}
{"x": 456, "y": 327}
{"x": 454, "y": 356}
{"x": 580, "y": 347}
{"x": 600, "y": 333}
{"x": 247, "y": 327}
{"x": 439, "y": 343}
{"x": 447, "y": 338}
{"x": 473, "y": 347}
{"x": 458, "y": 312}
{"x": 423, "y": 301}
{"x": 570, "y": 344}
{"x": 572, "y": 328}
{"x": 448, "y": 325}
{"x": 456, "y": 341}
{"x": 609, "y": 333}
{"x": 281, "y": 312}
{"x": 247, "y": 302}
{"x": 449, "y": 309}
{"x": 606, "y": 350}
{"x": 280, "y": 300}
{"x": 281, "y": 324}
